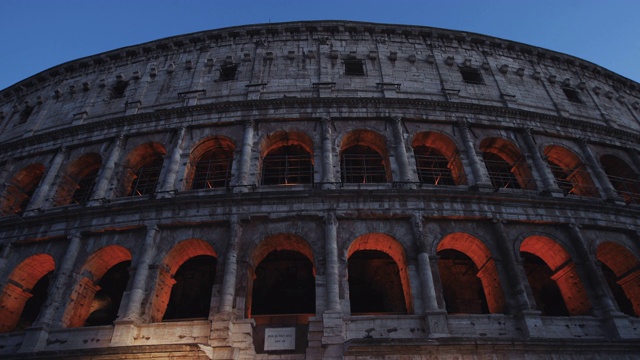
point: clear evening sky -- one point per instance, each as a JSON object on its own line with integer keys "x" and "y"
{"x": 38, "y": 34}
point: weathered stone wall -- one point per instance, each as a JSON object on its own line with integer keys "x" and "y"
{"x": 412, "y": 87}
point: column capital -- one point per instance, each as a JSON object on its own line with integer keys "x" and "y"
{"x": 330, "y": 218}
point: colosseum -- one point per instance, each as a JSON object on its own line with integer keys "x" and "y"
{"x": 321, "y": 190}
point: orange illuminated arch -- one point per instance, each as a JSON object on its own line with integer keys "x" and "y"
{"x": 20, "y": 188}
{"x": 625, "y": 267}
{"x": 82, "y": 296}
{"x": 569, "y": 171}
{"x": 563, "y": 272}
{"x": 181, "y": 253}
{"x": 210, "y": 163}
{"x": 284, "y": 277}
{"x": 505, "y": 163}
{"x": 623, "y": 178}
{"x": 18, "y": 290}
{"x": 364, "y": 158}
{"x": 286, "y": 158}
{"x": 142, "y": 169}
{"x": 389, "y": 246}
{"x": 437, "y": 159}
{"x": 487, "y": 271}
{"x": 78, "y": 180}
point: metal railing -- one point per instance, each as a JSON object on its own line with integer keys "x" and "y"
{"x": 362, "y": 169}
{"x": 287, "y": 169}
{"x": 146, "y": 179}
{"x": 576, "y": 181}
{"x": 510, "y": 176}
{"x": 628, "y": 188}
{"x": 435, "y": 170}
{"x": 213, "y": 173}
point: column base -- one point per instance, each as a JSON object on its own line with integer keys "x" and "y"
{"x": 35, "y": 339}
{"x": 436, "y": 323}
{"x": 125, "y": 333}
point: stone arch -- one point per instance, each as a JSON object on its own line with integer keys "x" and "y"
{"x": 570, "y": 172}
{"x": 468, "y": 291}
{"x": 78, "y": 180}
{"x": 210, "y": 164}
{"x": 623, "y": 274}
{"x": 25, "y": 292}
{"x": 142, "y": 168}
{"x": 506, "y": 165}
{"x": 437, "y": 159}
{"x": 83, "y": 300}
{"x": 286, "y": 158}
{"x": 283, "y": 277}
{"x": 20, "y": 189}
{"x": 364, "y": 158}
{"x": 372, "y": 252}
{"x": 181, "y": 253}
{"x": 549, "y": 266}
{"x": 623, "y": 178}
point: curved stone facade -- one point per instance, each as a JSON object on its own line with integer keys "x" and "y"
{"x": 321, "y": 190}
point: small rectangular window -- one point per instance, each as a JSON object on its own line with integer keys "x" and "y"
{"x": 471, "y": 76}
{"x": 354, "y": 67}
{"x": 572, "y": 95}
{"x": 228, "y": 72}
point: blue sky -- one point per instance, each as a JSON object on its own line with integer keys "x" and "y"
{"x": 39, "y": 34}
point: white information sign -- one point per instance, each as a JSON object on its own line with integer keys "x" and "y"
{"x": 280, "y": 339}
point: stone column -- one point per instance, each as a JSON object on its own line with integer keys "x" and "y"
{"x": 102, "y": 184}
{"x": 635, "y": 157}
{"x": 230, "y": 267}
{"x": 63, "y": 276}
{"x": 550, "y": 186}
{"x": 136, "y": 294}
{"x": 514, "y": 273}
{"x": 424, "y": 266}
{"x": 245, "y": 158}
{"x": 38, "y": 333}
{"x": 401, "y": 151}
{"x": 6, "y": 250}
{"x": 609, "y": 192}
{"x": 332, "y": 264}
{"x": 435, "y": 319}
{"x": 39, "y": 198}
{"x": 327, "y": 155}
{"x": 171, "y": 171}
{"x": 478, "y": 171}
{"x": 595, "y": 280}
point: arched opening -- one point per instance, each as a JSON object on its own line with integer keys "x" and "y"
{"x": 569, "y": 171}
{"x": 622, "y": 177}
{"x": 284, "y": 277}
{"x": 142, "y": 169}
{"x": 185, "y": 282}
{"x": 210, "y": 164}
{"x": 553, "y": 279}
{"x": 76, "y": 185}
{"x": 287, "y": 158}
{"x": 191, "y": 293}
{"x": 363, "y": 158}
{"x": 374, "y": 284}
{"x": 106, "y": 302}
{"x": 506, "y": 166}
{"x": 469, "y": 276}
{"x": 95, "y": 300}
{"x": 20, "y": 189}
{"x": 437, "y": 159}
{"x": 378, "y": 277}
{"x": 25, "y": 293}
{"x": 622, "y": 272}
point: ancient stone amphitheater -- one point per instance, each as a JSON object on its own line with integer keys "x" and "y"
{"x": 321, "y": 190}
